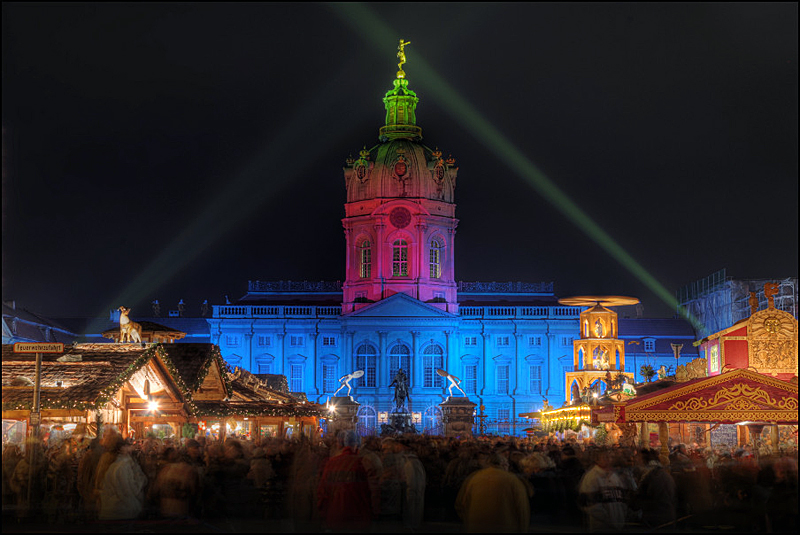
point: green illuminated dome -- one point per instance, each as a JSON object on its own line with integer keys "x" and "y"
{"x": 401, "y": 116}
{"x": 400, "y": 165}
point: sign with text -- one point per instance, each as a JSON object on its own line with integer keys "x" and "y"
{"x": 26, "y": 347}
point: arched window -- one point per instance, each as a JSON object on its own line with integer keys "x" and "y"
{"x": 432, "y": 420}
{"x": 399, "y": 357}
{"x": 365, "y": 260}
{"x": 367, "y": 421}
{"x": 366, "y": 357}
{"x": 400, "y": 258}
{"x": 436, "y": 259}
{"x": 432, "y": 361}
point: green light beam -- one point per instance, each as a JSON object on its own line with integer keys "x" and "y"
{"x": 255, "y": 184}
{"x": 373, "y": 28}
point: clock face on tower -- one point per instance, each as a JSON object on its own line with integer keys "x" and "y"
{"x": 400, "y": 217}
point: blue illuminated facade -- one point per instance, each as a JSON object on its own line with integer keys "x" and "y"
{"x": 400, "y": 306}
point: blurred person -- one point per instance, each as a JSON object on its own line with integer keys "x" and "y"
{"x": 781, "y": 506}
{"x": 602, "y": 496}
{"x": 343, "y": 496}
{"x": 176, "y": 490}
{"x": 374, "y": 467}
{"x": 307, "y": 465}
{"x": 656, "y": 496}
{"x": 122, "y": 488}
{"x": 28, "y": 479}
{"x": 414, "y": 480}
{"x": 493, "y": 500}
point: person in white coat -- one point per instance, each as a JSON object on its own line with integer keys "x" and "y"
{"x": 122, "y": 491}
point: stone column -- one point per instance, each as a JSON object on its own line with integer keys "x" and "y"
{"x": 416, "y": 366}
{"x": 774, "y": 438}
{"x": 381, "y": 368}
{"x": 317, "y": 365}
{"x": 644, "y": 435}
{"x": 249, "y": 342}
{"x": 282, "y": 348}
{"x": 663, "y": 438}
{"x": 457, "y": 417}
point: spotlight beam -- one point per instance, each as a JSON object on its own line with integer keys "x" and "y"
{"x": 369, "y": 25}
{"x": 238, "y": 197}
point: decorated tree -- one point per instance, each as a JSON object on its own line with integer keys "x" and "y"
{"x": 647, "y": 372}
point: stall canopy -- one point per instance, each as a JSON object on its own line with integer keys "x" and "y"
{"x": 733, "y": 397}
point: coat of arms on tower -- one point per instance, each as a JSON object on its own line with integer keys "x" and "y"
{"x": 362, "y": 165}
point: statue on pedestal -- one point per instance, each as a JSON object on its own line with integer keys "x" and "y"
{"x": 345, "y": 381}
{"x": 454, "y": 382}
{"x": 400, "y": 384}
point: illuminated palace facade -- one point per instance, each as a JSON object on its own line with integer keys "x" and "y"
{"x": 400, "y": 306}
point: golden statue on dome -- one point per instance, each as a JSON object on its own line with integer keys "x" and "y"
{"x": 401, "y": 55}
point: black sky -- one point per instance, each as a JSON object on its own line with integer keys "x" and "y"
{"x": 674, "y": 126}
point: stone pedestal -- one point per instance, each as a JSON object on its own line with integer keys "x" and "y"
{"x": 344, "y": 415}
{"x": 457, "y": 417}
{"x": 400, "y": 423}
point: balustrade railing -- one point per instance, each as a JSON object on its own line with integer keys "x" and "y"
{"x": 275, "y": 311}
{"x": 519, "y": 312}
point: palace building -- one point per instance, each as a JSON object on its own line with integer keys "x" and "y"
{"x": 400, "y": 306}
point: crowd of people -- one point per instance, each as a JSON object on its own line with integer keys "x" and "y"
{"x": 352, "y": 483}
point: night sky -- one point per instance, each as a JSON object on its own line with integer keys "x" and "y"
{"x": 176, "y": 151}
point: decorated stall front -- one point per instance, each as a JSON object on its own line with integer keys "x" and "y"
{"x": 739, "y": 397}
{"x": 257, "y": 410}
{"x": 120, "y": 385}
{"x": 166, "y": 390}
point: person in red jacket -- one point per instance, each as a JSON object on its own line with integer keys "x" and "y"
{"x": 343, "y": 496}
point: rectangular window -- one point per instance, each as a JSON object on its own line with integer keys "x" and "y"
{"x": 471, "y": 341}
{"x": 534, "y": 340}
{"x": 650, "y": 346}
{"x": 296, "y": 341}
{"x": 296, "y": 378}
{"x": 400, "y": 259}
{"x": 503, "y": 421}
{"x": 365, "y": 270}
{"x": 566, "y": 340}
{"x": 568, "y": 368}
{"x": 471, "y": 379}
{"x": 502, "y": 379}
{"x": 232, "y": 341}
{"x": 329, "y": 341}
{"x": 428, "y": 372}
{"x": 264, "y": 341}
{"x": 328, "y": 378}
{"x": 264, "y": 367}
{"x": 502, "y": 341}
{"x": 536, "y": 379}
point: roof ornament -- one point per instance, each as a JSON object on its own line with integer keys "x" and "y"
{"x": 753, "y": 303}
{"x": 129, "y": 331}
{"x": 401, "y": 55}
{"x": 770, "y": 291}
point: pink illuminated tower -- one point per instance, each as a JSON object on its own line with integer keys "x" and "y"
{"x": 400, "y": 214}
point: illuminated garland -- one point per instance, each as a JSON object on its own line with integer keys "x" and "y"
{"x": 561, "y": 425}
{"x": 226, "y": 411}
{"x": 47, "y": 403}
{"x": 109, "y": 391}
{"x": 173, "y": 371}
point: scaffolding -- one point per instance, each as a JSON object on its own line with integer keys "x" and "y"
{"x": 719, "y": 301}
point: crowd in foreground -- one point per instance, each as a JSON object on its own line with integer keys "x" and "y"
{"x": 345, "y": 484}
